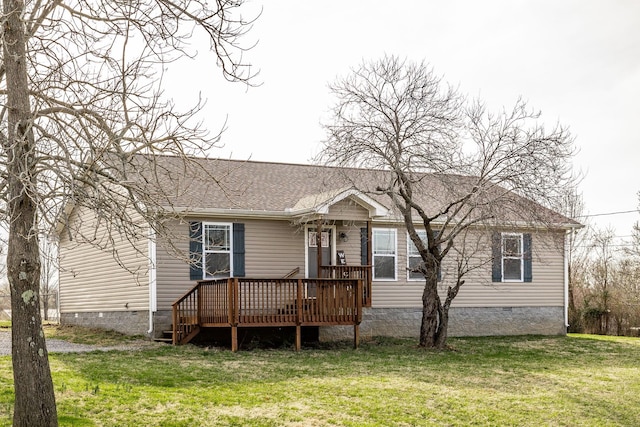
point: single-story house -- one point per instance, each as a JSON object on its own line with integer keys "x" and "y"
{"x": 287, "y": 224}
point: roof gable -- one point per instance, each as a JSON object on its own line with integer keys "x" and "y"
{"x": 320, "y": 203}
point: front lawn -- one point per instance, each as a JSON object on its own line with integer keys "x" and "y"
{"x": 561, "y": 381}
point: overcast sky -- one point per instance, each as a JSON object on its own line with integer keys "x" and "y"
{"x": 577, "y": 61}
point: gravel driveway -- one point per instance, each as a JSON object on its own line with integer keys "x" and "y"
{"x": 60, "y": 346}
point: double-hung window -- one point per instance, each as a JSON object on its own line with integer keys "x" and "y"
{"x": 512, "y": 260}
{"x": 512, "y": 257}
{"x": 217, "y": 250}
{"x": 384, "y": 253}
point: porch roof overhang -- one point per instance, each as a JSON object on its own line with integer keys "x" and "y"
{"x": 320, "y": 203}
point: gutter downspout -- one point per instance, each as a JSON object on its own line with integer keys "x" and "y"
{"x": 152, "y": 277}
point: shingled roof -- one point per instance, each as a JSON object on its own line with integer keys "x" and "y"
{"x": 216, "y": 185}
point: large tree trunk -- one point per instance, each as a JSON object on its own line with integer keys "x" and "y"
{"x": 34, "y": 397}
{"x": 443, "y": 329}
{"x": 430, "y": 316}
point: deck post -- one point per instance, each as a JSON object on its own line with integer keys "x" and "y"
{"x": 234, "y": 338}
{"x": 230, "y": 303}
{"x": 199, "y": 304}
{"x": 298, "y": 314}
{"x": 356, "y": 336}
{"x": 236, "y": 301}
{"x": 234, "y": 312}
{"x": 359, "y": 293}
{"x": 174, "y": 315}
{"x": 319, "y": 247}
{"x": 358, "y": 319}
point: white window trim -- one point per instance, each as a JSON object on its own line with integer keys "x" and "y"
{"x": 395, "y": 255}
{"x": 409, "y": 256}
{"x": 521, "y": 257}
{"x": 205, "y": 252}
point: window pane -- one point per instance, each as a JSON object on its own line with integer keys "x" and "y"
{"x": 512, "y": 246}
{"x": 384, "y": 241}
{"x": 512, "y": 269}
{"x": 217, "y": 265}
{"x": 217, "y": 238}
{"x": 413, "y": 251}
{"x": 414, "y": 262}
{"x": 384, "y": 267}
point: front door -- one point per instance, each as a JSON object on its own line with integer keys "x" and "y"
{"x": 313, "y": 244}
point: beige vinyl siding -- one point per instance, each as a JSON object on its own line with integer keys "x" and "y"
{"x": 92, "y": 280}
{"x": 172, "y": 268}
{"x": 352, "y": 246}
{"x": 546, "y": 289}
{"x": 347, "y": 210}
{"x": 272, "y": 249}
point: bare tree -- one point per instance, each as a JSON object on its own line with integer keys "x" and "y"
{"x": 601, "y": 278}
{"x": 577, "y": 257}
{"x": 399, "y": 116}
{"x": 626, "y": 306}
{"x": 81, "y": 84}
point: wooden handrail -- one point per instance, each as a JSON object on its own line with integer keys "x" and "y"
{"x": 291, "y": 273}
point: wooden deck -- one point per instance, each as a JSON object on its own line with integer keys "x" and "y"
{"x": 244, "y": 302}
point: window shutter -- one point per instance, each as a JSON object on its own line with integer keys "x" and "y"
{"x": 526, "y": 255}
{"x": 238, "y": 250}
{"x": 195, "y": 250}
{"x": 496, "y": 253}
{"x": 363, "y": 246}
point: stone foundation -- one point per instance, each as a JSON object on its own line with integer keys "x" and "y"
{"x": 465, "y": 321}
{"x": 162, "y": 321}
{"x": 126, "y": 322}
{"x": 393, "y": 322}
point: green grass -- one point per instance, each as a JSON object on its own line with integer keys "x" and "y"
{"x": 579, "y": 380}
{"x": 81, "y": 335}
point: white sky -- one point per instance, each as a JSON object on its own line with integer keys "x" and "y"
{"x": 577, "y": 61}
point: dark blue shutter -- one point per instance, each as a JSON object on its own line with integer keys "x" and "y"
{"x": 364, "y": 238}
{"x": 238, "y": 250}
{"x": 526, "y": 253}
{"x": 195, "y": 250}
{"x": 496, "y": 253}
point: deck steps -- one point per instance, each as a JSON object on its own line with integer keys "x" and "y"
{"x": 167, "y": 337}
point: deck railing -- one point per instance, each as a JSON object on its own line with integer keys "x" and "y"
{"x": 239, "y": 302}
{"x": 360, "y": 272}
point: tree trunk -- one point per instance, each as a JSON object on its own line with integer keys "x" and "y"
{"x": 442, "y": 333}
{"x": 430, "y": 316}
{"x": 34, "y": 396}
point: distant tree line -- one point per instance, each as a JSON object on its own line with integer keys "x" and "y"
{"x": 604, "y": 278}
